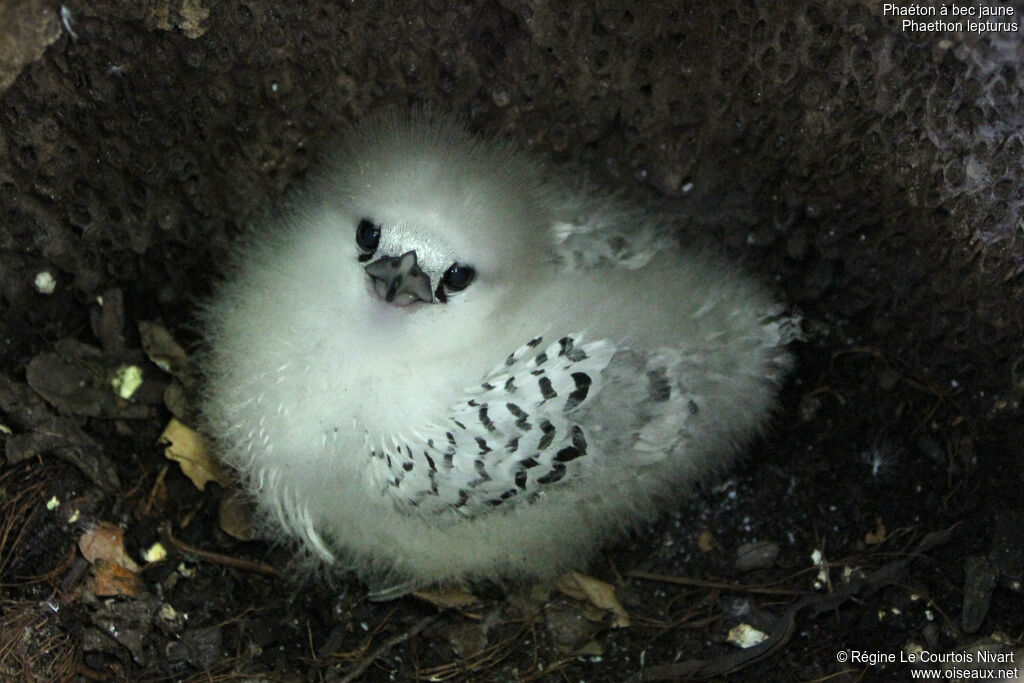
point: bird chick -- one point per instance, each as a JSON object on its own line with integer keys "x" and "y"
{"x": 449, "y": 362}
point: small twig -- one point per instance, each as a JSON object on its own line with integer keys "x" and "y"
{"x": 720, "y": 585}
{"x": 155, "y": 488}
{"x": 487, "y": 658}
{"x": 385, "y": 647}
{"x": 216, "y": 558}
{"x": 191, "y": 514}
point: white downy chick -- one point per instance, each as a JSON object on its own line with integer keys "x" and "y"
{"x": 450, "y": 363}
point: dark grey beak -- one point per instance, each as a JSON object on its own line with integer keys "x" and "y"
{"x": 399, "y": 280}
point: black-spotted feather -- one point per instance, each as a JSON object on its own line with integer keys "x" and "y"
{"x": 513, "y": 435}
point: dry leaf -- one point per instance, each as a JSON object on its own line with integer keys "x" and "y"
{"x": 706, "y": 541}
{"x": 155, "y": 553}
{"x": 110, "y": 579}
{"x": 468, "y": 639}
{"x": 591, "y": 649}
{"x": 162, "y": 349}
{"x": 451, "y": 598}
{"x": 745, "y": 635}
{"x": 191, "y": 450}
{"x": 235, "y": 516}
{"x": 878, "y": 535}
{"x": 597, "y": 593}
{"x": 106, "y": 543}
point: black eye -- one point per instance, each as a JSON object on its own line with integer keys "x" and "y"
{"x": 458, "y": 277}
{"x": 367, "y": 237}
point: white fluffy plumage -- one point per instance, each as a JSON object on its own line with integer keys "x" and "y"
{"x": 449, "y": 362}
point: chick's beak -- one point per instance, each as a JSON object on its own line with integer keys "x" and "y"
{"x": 399, "y": 280}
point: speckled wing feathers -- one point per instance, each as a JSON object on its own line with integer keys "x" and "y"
{"x": 594, "y": 230}
{"x": 514, "y": 436}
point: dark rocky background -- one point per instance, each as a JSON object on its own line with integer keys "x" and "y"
{"x": 874, "y": 175}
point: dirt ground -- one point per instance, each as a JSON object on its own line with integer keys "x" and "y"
{"x": 870, "y": 173}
